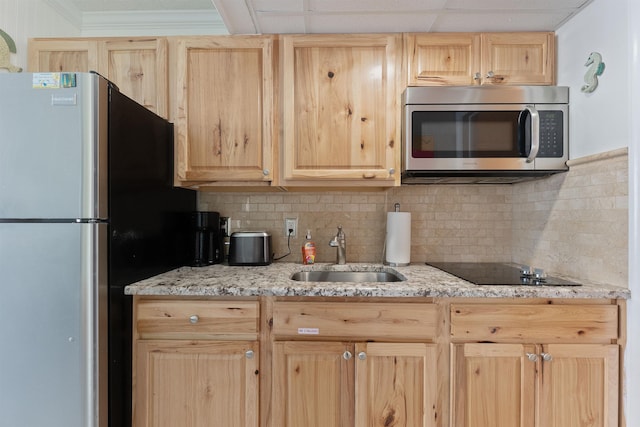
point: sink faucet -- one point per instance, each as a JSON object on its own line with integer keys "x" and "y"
{"x": 340, "y": 242}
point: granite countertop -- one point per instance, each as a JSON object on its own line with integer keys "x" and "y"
{"x": 274, "y": 280}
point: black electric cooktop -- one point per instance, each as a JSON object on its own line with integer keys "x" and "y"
{"x": 495, "y": 273}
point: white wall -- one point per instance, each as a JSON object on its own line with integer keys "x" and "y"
{"x": 23, "y": 19}
{"x": 605, "y": 120}
{"x": 598, "y": 120}
{"x": 632, "y": 357}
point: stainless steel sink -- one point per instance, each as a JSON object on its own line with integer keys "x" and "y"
{"x": 346, "y": 276}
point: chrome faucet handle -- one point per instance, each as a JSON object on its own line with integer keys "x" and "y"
{"x": 339, "y": 242}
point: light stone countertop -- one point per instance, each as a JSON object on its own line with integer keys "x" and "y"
{"x": 274, "y": 280}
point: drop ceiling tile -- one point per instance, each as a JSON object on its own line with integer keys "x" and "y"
{"x": 369, "y": 23}
{"x": 515, "y": 4}
{"x": 495, "y": 22}
{"x": 308, "y": 16}
{"x": 277, "y": 5}
{"x": 278, "y": 24}
{"x": 392, "y": 6}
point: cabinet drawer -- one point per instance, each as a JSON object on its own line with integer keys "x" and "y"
{"x": 197, "y": 319}
{"x": 534, "y": 323}
{"x": 388, "y": 321}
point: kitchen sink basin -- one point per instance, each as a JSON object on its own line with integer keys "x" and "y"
{"x": 346, "y": 276}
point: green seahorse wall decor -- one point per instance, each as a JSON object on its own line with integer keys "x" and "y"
{"x": 7, "y": 47}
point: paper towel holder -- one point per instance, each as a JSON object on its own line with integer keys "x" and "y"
{"x": 395, "y": 263}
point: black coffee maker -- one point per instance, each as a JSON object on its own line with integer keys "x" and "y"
{"x": 208, "y": 239}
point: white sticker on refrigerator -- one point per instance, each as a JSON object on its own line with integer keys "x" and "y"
{"x": 46, "y": 80}
{"x": 53, "y": 80}
{"x": 308, "y": 331}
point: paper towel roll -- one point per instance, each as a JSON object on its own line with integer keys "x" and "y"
{"x": 398, "y": 240}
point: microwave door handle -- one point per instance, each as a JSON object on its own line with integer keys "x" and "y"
{"x": 535, "y": 132}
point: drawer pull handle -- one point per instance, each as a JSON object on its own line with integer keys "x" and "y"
{"x": 532, "y": 357}
{"x": 248, "y": 354}
{"x": 546, "y": 357}
{"x": 362, "y": 355}
{"x": 194, "y": 319}
{"x": 347, "y": 355}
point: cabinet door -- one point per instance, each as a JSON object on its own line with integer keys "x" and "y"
{"x": 55, "y": 55}
{"x": 139, "y": 68}
{"x": 341, "y": 109}
{"x": 396, "y": 385}
{"x": 225, "y": 103}
{"x": 493, "y": 385}
{"x": 443, "y": 59}
{"x": 313, "y": 384}
{"x": 518, "y": 58}
{"x": 196, "y": 384}
{"x": 579, "y": 386}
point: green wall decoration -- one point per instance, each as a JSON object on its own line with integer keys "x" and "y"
{"x": 596, "y": 68}
{"x": 7, "y": 47}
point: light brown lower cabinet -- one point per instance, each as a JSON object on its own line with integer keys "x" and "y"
{"x": 319, "y": 384}
{"x": 196, "y": 363}
{"x": 516, "y": 385}
{"x": 197, "y": 383}
{"x": 314, "y": 362}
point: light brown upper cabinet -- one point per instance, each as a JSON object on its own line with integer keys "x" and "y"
{"x": 138, "y": 65}
{"x": 444, "y": 59}
{"x": 224, "y": 115}
{"x": 340, "y": 109}
{"x": 55, "y": 55}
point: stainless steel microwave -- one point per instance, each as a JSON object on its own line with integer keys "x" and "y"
{"x": 484, "y": 133}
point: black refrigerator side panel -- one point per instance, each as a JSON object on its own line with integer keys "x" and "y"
{"x": 148, "y": 227}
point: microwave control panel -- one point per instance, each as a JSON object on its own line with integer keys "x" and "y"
{"x": 551, "y": 134}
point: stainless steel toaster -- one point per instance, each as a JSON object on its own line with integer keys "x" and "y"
{"x": 250, "y": 248}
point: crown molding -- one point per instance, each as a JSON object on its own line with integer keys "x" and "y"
{"x": 165, "y": 22}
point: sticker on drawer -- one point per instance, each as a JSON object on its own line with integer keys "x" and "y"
{"x": 308, "y": 331}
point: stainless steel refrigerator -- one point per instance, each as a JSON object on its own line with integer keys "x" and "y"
{"x": 87, "y": 206}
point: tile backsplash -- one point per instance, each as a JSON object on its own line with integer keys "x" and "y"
{"x": 577, "y": 223}
{"x": 573, "y": 223}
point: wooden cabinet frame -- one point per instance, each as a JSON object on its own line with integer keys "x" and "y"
{"x": 339, "y": 127}
{"x": 464, "y": 59}
{"x": 556, "y": 365}
{"x": 137, "y": 65}
{"x": 225, "y": 111}
{"x": 468, "y": 345}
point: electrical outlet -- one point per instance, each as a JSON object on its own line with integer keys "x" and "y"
{"x": 290, "y": 224}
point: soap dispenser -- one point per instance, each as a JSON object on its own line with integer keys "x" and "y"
{"x": 308, "y": 250}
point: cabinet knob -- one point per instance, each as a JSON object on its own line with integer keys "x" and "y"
{"x": 194, "y": 319}
{"x": 490, "y": 75}
{"x": 347, "y": 355}
{"x": 248, "y": 354}
{"x": 546, "y": 357}
{"x": 532, "y": 357}
{"x": 265, "y": 172}
{"x": 392, "y": 171}
{"x": 362, "y": 355}
{"x": 476, "y": 76}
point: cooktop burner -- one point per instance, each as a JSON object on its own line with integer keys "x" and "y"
{"x": 495, "y": 273}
